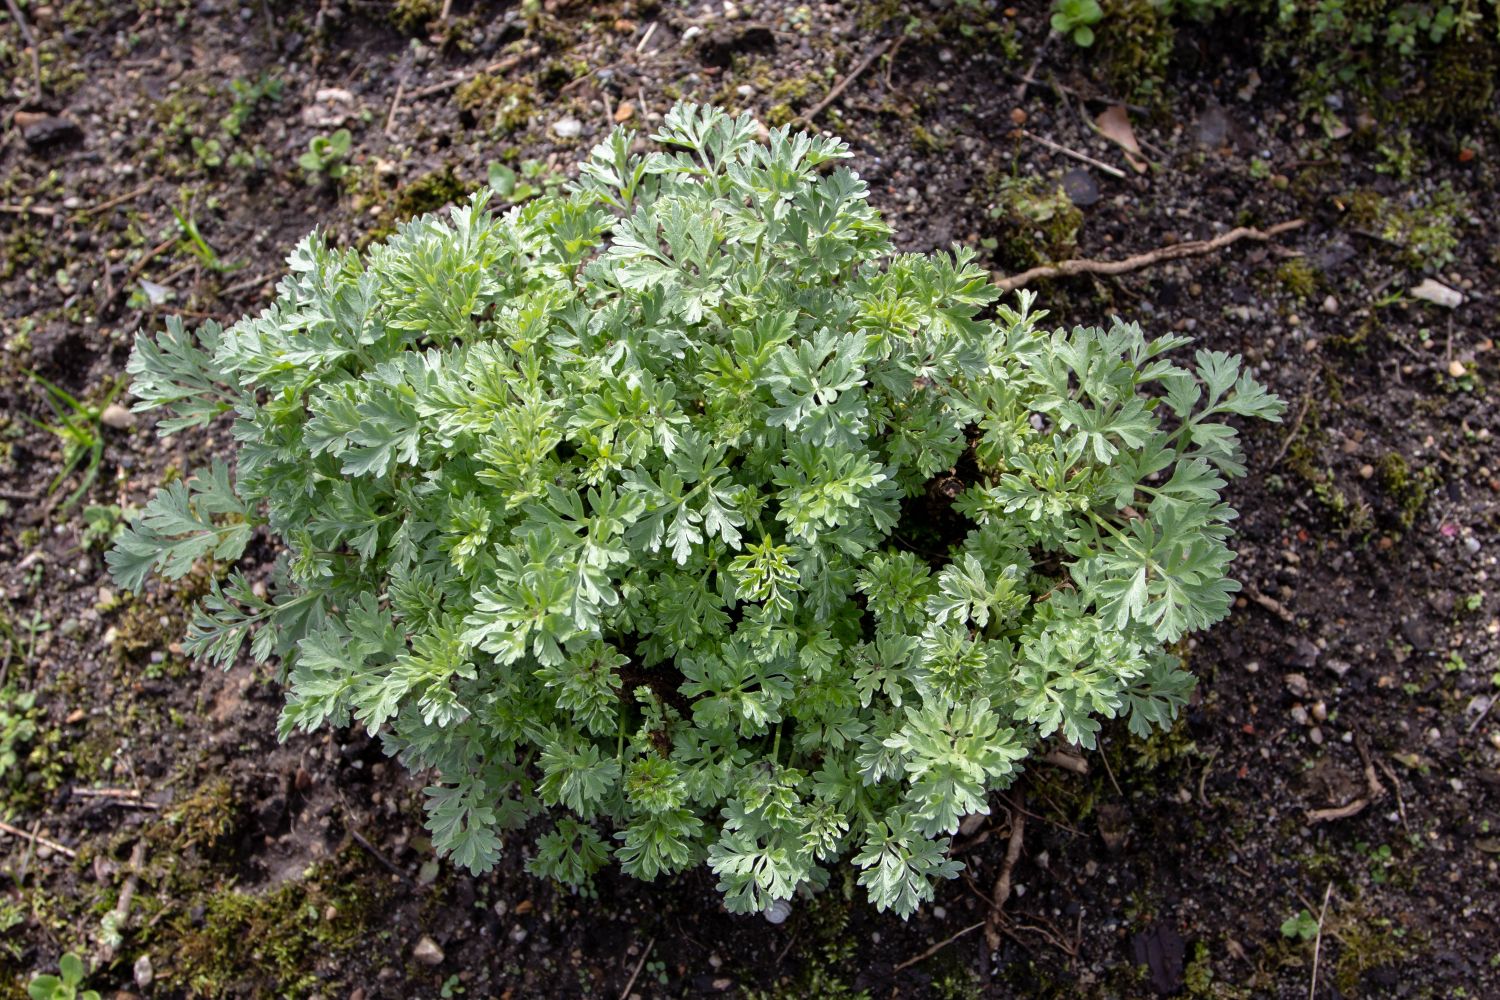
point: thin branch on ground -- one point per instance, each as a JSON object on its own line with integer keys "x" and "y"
{"x": 1286, "y": 442}
{"x": 498, "y": 66}
{"x": 30, "y": 40}
{"x": 37, "y": 839}
{"x": 1001, "y": 892}
{"x": 1374, "y": 791}
{"x": 1312, "y": 991}
{"x": 121, "y": 912}
{"x": 849, "y": 77}
{"x": 1065, "y": 760}
{"x": 1271, "y": 604}
{"x": 1058, "y": 147}
{"x": 937, "y": 947}
{"x": 1173, "y": 251}
{"x": 390, "y": 116}
{"x": 639, "y": 965}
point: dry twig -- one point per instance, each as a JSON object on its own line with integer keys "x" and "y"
{"x": 639, "y": 965}
{"x": 1056, "y": 147}
{"x": 498, "y": 66}
{"x": 1374, "y": 791}
{"x": 1291, "y": 434}
{"x": 1001, "y": 892}
{"x": 937, "y": 947}
{"x": 1312, "y": 990}
{"x": 30, "y": 40}
{"x": 37, "y": 839}
{"x": 1271, "y": 604}
{"x": 849, "y": 77}
{"x": 1174, "y": 251}
{"x": 1065, "y": 760}
{"x": 121, "y": 911}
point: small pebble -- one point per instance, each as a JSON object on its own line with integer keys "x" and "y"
{"x": 1366, "y": 471}
{"x": 778, "y": 911}
{"x": 518, "y": 934}
{"x": 1331, "y": 306}
{"x": 117, "y": 416}
{"x": 1456, "y": 368}
{"x": 427, "y": 952}
{"x": 1472, "y": 544}
{"x": 567, "y": 128}
{"x": 143, "y": 973}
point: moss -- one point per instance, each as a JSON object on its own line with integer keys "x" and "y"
{"x": 502, "y": 104}
{"x": 279, "y": 943}
{"x": 827, "y": 966}
{"x": 202, "y": 821}
{"x": 1408, "y": 490}
{"x": 1460, "y": 86}
{"x": 1038, "y": 224}
{"x": 1135, "y": 44}
{"x": 429, "y": 193}
{"x": 1424, "y": 226}
{"x": 1298, "y": 278}
{"x": 411, "y": 17}
{"x": 780, "y": 114}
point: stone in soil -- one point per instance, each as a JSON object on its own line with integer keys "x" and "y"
{"x": 42, "y": 131}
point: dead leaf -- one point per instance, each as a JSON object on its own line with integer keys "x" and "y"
{"x": 1114, "y": 125}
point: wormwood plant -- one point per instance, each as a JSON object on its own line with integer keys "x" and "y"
{"x": 618, "y": 509}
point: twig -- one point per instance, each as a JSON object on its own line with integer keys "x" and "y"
{"x": 1271, "y": 604}
{"x": 1001, "y": 892}
{"x": 1111, "y": 773}
{"x": 937, "y": 947}
{"x": 1067, "y": 761}
{"x": 30, "y": 39}
{"x": 389, "y": 865}
{"x": 127, "y": 896}
{"x": 119, "y": 199}
{"x": 849, "y": 77}
{"x": 126, "y": 798}
{"x": 1115, "y": 172}
{"x": 36, "y": 838}
{"x": 447, "y": 9}
{"x": 135, "y": 272}
{"x": 1396, "y": 784}
{"x": 646, "y": 37}
{"x": 1480, "y": 717}
{"x": 1312, "y": 990}
{"x": 1291, "y": 434}
{"x": 1203, "y": 780}
{"x": 498, "y": 66}
{"x": 1374, "y": 791}
{"x": 245, "y": 285}
{"x": 1026, "y": 78}
{"x": 639, "y": 965}
{"x": 390, "y": 116}
{"x": 44, "y": 211}
{"x": 1174, "y": 251}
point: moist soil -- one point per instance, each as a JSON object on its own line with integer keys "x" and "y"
{"x": 203, "y": 858}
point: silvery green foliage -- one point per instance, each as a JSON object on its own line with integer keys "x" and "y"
{"x": 613, "y": 508}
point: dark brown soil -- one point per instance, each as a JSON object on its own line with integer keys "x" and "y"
{"x": 1364, "y": 655}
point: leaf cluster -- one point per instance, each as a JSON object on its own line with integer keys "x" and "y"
{"x": 616, "y": 507}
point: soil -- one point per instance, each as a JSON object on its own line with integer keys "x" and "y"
{"x": 1359, "y": 666}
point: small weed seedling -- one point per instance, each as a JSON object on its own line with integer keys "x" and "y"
{"x": 80, "y": 429}
{"x": 327, "y": 156}
{"x": 1075, "y": 19}
{"x": 1301, "y": 926}
{"x": 534, "y": 179}
{"x": 66, "y": 985}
